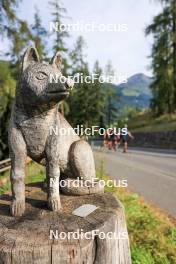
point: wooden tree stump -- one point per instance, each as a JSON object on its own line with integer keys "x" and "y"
{"x": 27, "y": 239}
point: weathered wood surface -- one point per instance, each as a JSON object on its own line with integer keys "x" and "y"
{"x": 26, "y": 239}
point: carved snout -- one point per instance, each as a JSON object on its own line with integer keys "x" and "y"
{"x": 66, "y": 87}
{"x": 69, "y": 83}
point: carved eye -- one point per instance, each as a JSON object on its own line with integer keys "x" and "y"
{"x": 41, "y": 76}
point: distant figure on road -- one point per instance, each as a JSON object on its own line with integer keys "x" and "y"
{"x": 125, "y": 139}
{"x": 106, "y": 139}
{"x": 111, "y": 140}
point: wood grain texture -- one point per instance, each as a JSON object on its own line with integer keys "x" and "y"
{"x": 25, "y": 240}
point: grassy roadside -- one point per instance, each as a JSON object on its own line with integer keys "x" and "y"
{"x": 145, "y": 122}
{"x": 152, "y": 235}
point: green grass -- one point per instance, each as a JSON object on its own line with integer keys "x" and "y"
{"x": 34, "y": 173}
{"x": 152, "y": 234}
{"x": 145, "y": 122}
{"x": 4, "y": 188}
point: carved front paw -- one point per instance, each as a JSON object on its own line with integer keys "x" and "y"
{"x": 17, "y": 207}
{"x": 54, "y": 203}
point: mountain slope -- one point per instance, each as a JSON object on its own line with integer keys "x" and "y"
{"x": 136, "y": 92}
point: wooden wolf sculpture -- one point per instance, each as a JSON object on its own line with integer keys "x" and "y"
{"x": 34, "y": 112}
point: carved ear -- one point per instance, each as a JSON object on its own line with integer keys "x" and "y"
{"x": 30, "y": 56}
{"x": 56, "y": 60}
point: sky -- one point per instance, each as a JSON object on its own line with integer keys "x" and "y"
{"x": 128, "y": 51}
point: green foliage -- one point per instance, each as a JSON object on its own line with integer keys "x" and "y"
{"x": 150, "y": 232}
{"x": 16, "y": 30}
{"x": 146, "y": 121}
{"x": 163, "y": 56}
{"x": 39, "y": 35}
{"x": 7, "y": 15}
{"x": 97, "y": 98}
{"x": 4, "y": 188}
{"x": 140, "y": 255}
{"x": 90, "y": 103}
{"x": 80, "y": 98}
{"x": 131, "y": 112}
{"x": 110, "y": 110}
{"x": 58, "y": 12}
{"x": 7, "y": 92}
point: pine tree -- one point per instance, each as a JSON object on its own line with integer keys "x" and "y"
{"x": 18, "y": 34}
{"x": 58, "y": 13}
{"x": 110, "y": 109}
{"x": 79, "y": 100}
{"x": 39, "y": 34}
{"x": 89, "y": 102}
{"x": 86, "y": 101}
{"x": 163, "y": 56}
{"x": 7, "y": 15}
{"x": 16, "y": 30}
{"x": 98, "y": 96}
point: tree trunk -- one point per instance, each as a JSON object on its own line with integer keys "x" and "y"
{"x": 36, "y": 236}
{"x": 174, "y": 52}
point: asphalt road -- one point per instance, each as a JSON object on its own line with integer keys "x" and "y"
{"x": 150, "y": 173}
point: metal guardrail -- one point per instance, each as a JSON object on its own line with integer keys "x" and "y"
{"x": 5, "y": 165}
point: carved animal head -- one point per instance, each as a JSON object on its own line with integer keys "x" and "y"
{"x": 36, "y": 87}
